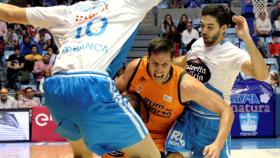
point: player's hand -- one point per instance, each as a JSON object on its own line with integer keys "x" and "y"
{"x": 212, "y": 151}
{"x": 241, "y": 27}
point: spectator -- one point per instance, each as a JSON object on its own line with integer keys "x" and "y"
{"x": 174, "y": 36}
{"x": 3, "y": 30}
{"x": 42, "y": 35}
{"x": 182, "y": 23}
{"x": 28, "y": 101}
{"x": 277, "y": 23}
{"x": 40, "y": 66}
{"x": 12, "y": 38}
{"x": 274, "y": 47}
{"x": 32, "y": 58}
{"x": 26, "y": 44}
{"x": 50, "y": 43}
{"x": 15, "y": 65}
{"x": 51, "y": 54}
{"x": 275, "y": 12}
{"x": 166, "y": 23}
{"x": 6, "y": 101}
{"x": 263, "y": 25}
{"x": 18, "y": 95}
{"x": 189, "y": 36}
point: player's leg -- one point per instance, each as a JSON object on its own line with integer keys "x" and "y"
{"x": 144, "y": 149}
{"x": 80, "y": 150}
{"x": 178, "y": 142}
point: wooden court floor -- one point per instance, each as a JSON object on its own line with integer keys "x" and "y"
{"x": 63, "y": 150}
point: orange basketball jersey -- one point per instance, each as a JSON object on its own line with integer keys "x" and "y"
{"x": 162, "y": 99}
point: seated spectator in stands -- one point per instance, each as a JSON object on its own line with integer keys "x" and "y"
{"x": 174, "y": 36}
{"x": 3, "y": 30}
{"x": 40, "y": 66}
{"x": 166, "y": 23}
{"x": 277, "y": 23}
{"x": 50, "y": 43}
{"x": 32, "y": 58}
{"x": 14, "y": 65}
{"x": 275, "y": 12}
{"x": 26, "y": 45}
{"x": 28, "y": 101}
{"x": 51, "y": 54}
{"x": 6, "y": 101}
{"x": 18, "y": 95}
{"x": 274, "y": 47}
{"x": 42, "y": 38}
{"x": 189, "y": 36}
{"x": 263, "y": 25}
{"x": 12, "y": 38}
{"x": 182, "y": 23}
{"x": 31, "y": 31}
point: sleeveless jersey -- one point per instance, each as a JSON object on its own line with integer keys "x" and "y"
{"x": 163, "y": 100}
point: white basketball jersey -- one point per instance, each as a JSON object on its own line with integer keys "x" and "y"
{"x": 90, "y": 34}
{"x": 224, "y": 61}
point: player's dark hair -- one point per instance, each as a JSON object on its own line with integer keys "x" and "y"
{"x": 160, "y": 45}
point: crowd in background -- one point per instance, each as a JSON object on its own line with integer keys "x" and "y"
{"x": 32, "y": 51}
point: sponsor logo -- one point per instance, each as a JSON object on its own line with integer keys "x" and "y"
{"x": 246, "y": 103}
{"x": 198, "y": 70}
{"x": 42, "y": 119}
{"x": 167, "y": 98}
{"x": 93, "y": 12}
{"x": 176, "y": 139}
{"x": 94, "y": 47}
{"x": 249, "y": 121}
{"x": 157, "y": 109}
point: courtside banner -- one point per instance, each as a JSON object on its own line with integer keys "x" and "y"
{"x": 253, "y": 103}
{"x": 43, "y": 126}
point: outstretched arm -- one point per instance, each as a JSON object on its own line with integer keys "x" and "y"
{"x": 181, "y": 61}
{"x": 255, "y": 67}
{"x": 192, "y": 89}
{"x": 13, "y": 14}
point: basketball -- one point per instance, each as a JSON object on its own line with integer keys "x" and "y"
{"x": 138, "y": 104}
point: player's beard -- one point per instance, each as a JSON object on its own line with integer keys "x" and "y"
{"x": 210, "y": 41}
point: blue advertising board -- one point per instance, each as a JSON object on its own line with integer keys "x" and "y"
{"x": 253, "y": 103}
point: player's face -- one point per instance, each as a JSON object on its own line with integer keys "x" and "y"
{"x": 211, "y": 31}
{"x": 159, "y": 66}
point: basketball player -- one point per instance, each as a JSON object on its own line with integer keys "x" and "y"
{"x": 166, "y": 88}
{"x": 93, "y": 38}
{"x": 217, "y": 62}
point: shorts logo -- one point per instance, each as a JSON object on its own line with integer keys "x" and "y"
{"x": 176, "y": 139}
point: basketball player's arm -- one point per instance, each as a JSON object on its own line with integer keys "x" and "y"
{"x": 122, "y": 81}
{"x": 192, "y": 89}
{"x": 256, "y": 67}
{"x": 181, "y": 61}
{"x": 13, "y": 14}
